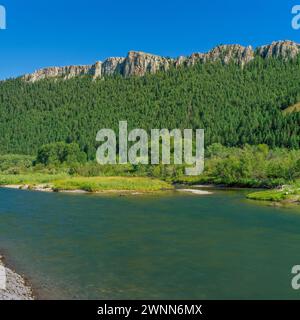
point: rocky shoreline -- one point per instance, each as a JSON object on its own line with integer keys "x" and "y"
{"x": 47, "y": 188}
{"x": 17, "y": 287}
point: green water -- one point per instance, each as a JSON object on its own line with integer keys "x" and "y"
{"x": 177, "y": 246}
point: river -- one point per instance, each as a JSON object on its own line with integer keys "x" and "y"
{"x": 172, "y": 246}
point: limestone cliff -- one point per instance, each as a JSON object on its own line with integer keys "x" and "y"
{"x": 139, "y": 63}
{"x": 281, "y": 49}
{"x": 58, "y": 72}
{"x": 224, "y": 54}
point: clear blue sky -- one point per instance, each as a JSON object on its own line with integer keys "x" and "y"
{"x": 45, "y": 33}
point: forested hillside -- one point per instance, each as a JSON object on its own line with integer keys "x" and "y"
{"x": 235, "y": 106}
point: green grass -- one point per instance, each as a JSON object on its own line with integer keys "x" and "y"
{"x": 30, "y": 178}
{"x": 269, "y": 195}
{"x": 94, "y": 184}
{"x": 287, "y": 193}
{"x": 91, "y": 184}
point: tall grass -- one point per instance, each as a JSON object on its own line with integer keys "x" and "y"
{"x": 30, "y": 178}
{"x": 93, "y": 184}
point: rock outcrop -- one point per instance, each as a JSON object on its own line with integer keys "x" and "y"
{"x": 281, "y": 49}
{"x": 139, "y": 63}
{"x": 224, "y": 54}
{"x": 112, "y": 66}
{"x": 60, "y": 72}
{"x": 230, "y": 53}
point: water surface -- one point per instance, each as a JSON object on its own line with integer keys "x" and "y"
{"x": 177, "y": 246}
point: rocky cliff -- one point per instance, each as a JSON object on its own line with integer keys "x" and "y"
{"x": 139, "y": 63}
{"x": 281, "y": 49}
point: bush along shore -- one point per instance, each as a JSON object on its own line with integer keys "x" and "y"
{"x": 64, "y": 167}
{"x": 17, "y": 287}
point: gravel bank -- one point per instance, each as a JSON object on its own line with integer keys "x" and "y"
{"x": 16, "y": 286}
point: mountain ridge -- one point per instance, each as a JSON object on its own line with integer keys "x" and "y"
{"x": 138, "y": 63}
{"x": 236, "y": 106}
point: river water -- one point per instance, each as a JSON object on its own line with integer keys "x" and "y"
{"x": 172, "y": 246}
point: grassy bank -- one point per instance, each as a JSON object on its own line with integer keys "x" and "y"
{"x": 285, "y": 194}
{"x": 94, "y": 184}
{"x": 33, "y": 178}
{"x": 60, "y": 182}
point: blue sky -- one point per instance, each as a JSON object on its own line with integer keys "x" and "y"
{"x": 45, "y": 33}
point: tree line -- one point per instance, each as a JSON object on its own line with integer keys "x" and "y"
{"x": 236, "y": 106}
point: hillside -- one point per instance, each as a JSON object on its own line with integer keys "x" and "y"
{"x": 234, "y": 104}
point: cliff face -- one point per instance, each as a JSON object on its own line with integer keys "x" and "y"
{"x": 281, "y": 49}
{"x": 224, "y": 54}
{"x": 139, "y": 63}
{"x": 57, "y": 72}
{"x": 112, "y": 66}
{"x": 230, "y": 53}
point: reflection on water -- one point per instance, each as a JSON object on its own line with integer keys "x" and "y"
{"x": 177, "y": 246}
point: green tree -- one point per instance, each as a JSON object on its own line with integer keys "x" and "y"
{"x": 60, "y": 153}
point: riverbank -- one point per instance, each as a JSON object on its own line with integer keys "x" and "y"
{"x": 285, "y": 194}
{"x": 17, "y": 287}
{"x": 45, "y": 188}
{"x": 124, "y": 185}
{"x": 59, "y": 183}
